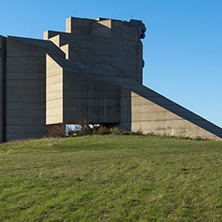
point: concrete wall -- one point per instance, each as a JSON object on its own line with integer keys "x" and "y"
{"x": 2, "y": 52}
{"x": 90, "y": 99}
{"x": 26, "y": 103}
{"x": 2, "y": 88}
{"x": 152, "y": 118}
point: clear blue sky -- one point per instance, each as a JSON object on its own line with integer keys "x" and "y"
{"x": 182, "y": 48}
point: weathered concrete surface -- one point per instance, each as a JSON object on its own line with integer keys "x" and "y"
{"x": 154, "y": 119}
{"x": 25, "y": 90}
{"x": 93, "y": 100}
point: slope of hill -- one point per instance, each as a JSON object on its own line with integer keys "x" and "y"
{"x": 111, "y": 178}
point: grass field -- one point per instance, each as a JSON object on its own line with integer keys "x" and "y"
{"x": 111, "y": 178}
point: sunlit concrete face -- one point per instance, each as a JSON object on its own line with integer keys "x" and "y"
{"x": 92, "y": 72}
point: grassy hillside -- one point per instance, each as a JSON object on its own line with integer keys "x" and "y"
{"x": 111, "y": 178}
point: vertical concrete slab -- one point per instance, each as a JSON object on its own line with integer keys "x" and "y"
{"x": 54, "y": 92}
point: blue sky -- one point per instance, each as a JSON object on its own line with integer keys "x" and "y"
{"x": 182, "y": 48}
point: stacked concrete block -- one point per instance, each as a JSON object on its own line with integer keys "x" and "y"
{"x": 102, "y": 41}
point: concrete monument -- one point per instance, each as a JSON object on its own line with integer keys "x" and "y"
{"x": 92, "y": 71}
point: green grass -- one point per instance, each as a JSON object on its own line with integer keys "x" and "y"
{"x": 111, "y": 178}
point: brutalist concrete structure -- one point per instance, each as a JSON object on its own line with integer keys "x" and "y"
{"x": 93, "y": 71}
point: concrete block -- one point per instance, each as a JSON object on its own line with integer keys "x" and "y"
{"x": 78, "y": 25}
